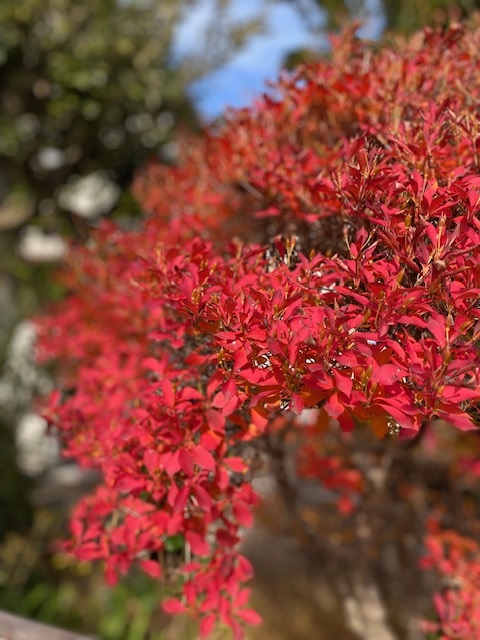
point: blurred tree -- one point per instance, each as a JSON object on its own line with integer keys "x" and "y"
{"x": 88, "y": 85}
{"x": 407, "y": 16}
{"x": 404, "y": 16}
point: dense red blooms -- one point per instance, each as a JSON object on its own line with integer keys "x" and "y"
{"x": 319, "y": 251}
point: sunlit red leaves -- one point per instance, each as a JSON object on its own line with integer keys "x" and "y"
{"x": 318, "y": 252}
{"x": 456, "y": 559}
{"x": 215, "y": 595}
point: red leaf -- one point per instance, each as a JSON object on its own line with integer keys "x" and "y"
{"x": 333, "y": 406}
{"x": 203, "y": 458}
{"x": 460, "y": 420}
{"x": 189, "y": 393}
{"x": 238, "y": 631}
{"x": 238, "y": 465}
{"x": 344, "y": 383}
{"x": 229, "y": 389}
{"x": 297, "y": 405}
{"x": 181, "y": 500}
{"x": 207, "y": 624}
{"x": 345, "y": 421}
{"x": 259, "y": 418}
{"x": 151, "y": 568}
{"x": 111, "y": 576}
{"x": 210, "y": 440}
{"x": 155, "y": 365}
{"x": 168, "y": 393}
{"x": 244, "y": 568}
{"x": 215, "y": 419}
{"x": 380, "y": 425}
{"x": 249, "y": 616}
{"x": 151, "y": 460}
{"x": 76, "y": 527}
{"x": 242, "y": 514}
{"x": 173, "y": 605}
{"x": 219, "y": 400}
{"x": 436, "y": 325}
{"x": 230, "y": 406}
{"x": 240, "y": 359}
{"x": 186, "y": 462}
{"x": 402, "y": 419}
{"x": 242, "y": 598}
{"x": 345, "y": 505}
{"x": 197, "y": 543}
{"x": 413, "y": 320}
{"x": 387, "y": 374}
{"x": 170, "y": 462}
{"x": 203, "y": 497}
{"x": 227, "y": 405}
{"x": 459, "y": 394}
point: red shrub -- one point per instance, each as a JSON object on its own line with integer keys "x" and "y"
{"x": 319, "y": 251}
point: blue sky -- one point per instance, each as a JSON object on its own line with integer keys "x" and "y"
{"x": 243, "y": 77}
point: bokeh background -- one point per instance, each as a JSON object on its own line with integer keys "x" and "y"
{"x": 89, "y": 91}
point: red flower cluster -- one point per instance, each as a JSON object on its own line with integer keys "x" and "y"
{"x": 319, "y": 251}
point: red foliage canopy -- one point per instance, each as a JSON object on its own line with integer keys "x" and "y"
{"x": 318, "y": 251}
